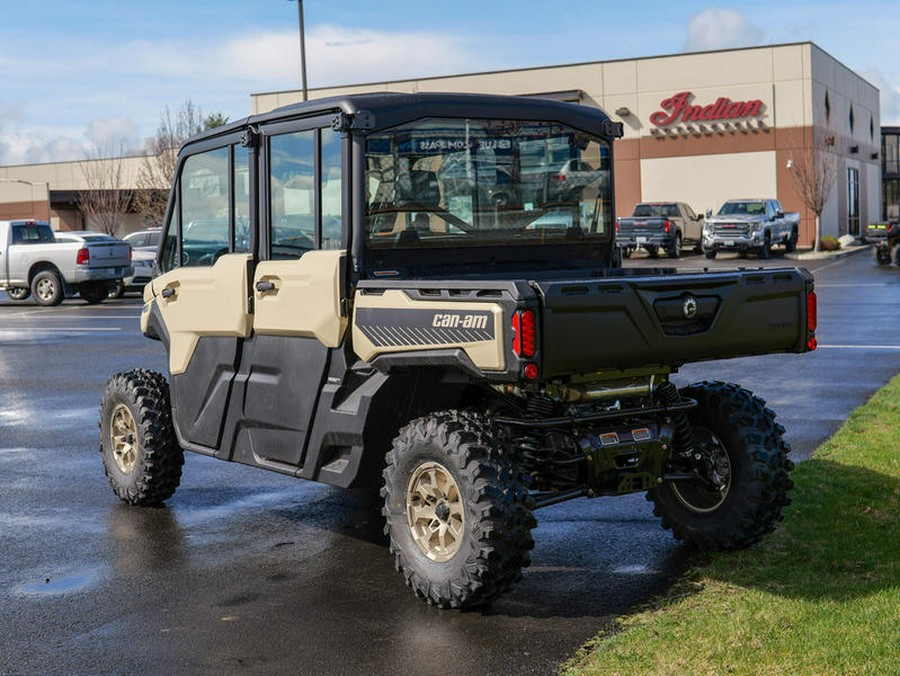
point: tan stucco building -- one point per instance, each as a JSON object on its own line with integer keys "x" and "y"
{"x": 699, "y": 128}
{"x": 705, "y": 127}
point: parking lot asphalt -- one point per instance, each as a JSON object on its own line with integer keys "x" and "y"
{"x": 247, "y": 571}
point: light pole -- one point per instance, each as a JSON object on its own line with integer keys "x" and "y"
{"x": 32, "y": 184}
{"x": 302, "y": 49}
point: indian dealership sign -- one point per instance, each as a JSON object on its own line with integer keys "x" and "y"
{"x": 678, "y": 109}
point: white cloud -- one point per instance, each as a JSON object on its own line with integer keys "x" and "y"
{"x": 716, "y": 28}
{"x": 114, "y": 134}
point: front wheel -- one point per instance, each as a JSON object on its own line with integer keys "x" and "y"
{"x": 710, "y": 254}
{"x": 741, "y": 463}
{"x": 458, "y": 514}
{"x": 765, "y": 251}
{"x": 18, "y": 292}
{"x": 140, "y": 451}
{"x": 880, "y": 253}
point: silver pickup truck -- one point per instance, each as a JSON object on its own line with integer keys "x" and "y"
{"x": 35, "y": 262}
{"x": 750, "y": 225}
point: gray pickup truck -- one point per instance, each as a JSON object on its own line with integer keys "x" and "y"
{"x": 34, "y": 262}
{"x": 750, "y": 225}
{"x": 659, "y": 225}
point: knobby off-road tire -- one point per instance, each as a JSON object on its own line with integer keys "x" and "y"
{"x": 458, "y": 514}
{"x": 140, "y": 452}
{"x": 738, "y": 439}
{"x": 880, "y": 253}
{"x": 47, "y": 288}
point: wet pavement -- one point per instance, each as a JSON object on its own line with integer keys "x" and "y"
{"x": 248, "y": 571}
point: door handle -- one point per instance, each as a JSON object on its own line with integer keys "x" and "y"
{"x": 168, "y": 292}
{"x": 264, "y": 285}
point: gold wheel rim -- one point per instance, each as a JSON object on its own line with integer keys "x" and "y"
{"x": 434, "y": 511}
{"x": 123, "y": 438}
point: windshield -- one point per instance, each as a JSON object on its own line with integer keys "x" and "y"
{"x": 732, "y": 208}
{"x": 454, "y": 182}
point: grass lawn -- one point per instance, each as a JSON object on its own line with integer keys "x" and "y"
{"x": 821, "y": 595}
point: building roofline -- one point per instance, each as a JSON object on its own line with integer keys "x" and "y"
{"x": 561, "y": 65}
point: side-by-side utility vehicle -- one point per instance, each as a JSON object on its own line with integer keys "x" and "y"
{"x": 392, "y": 290}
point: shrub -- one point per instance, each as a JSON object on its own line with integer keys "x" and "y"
{"x": 830, "y": 243}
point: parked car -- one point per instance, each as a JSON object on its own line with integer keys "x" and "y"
{"x": 144, "y": 263}
{"x": 750, "y": 225}
{"x": 145, "y": 239}
{"x": 659, "y": 225}
{"x": 35, "y": 261}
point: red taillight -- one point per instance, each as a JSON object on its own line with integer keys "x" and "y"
{"x": 667, "y": 225}
{"x": 523, "y": 325}
{"x": 531, "y": 371}
{"x": 812, "y": 320}
{"x": 83, "y": 257}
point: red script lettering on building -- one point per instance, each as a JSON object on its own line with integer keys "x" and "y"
{"x": 678, "y": 109}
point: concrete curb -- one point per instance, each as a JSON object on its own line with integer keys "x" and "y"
{"x": 822, "y": 255}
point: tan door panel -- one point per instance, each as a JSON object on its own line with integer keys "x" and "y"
{"x": 203, "y": 301}
{"x": 301, "y": 297}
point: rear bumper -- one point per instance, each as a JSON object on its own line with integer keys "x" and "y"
{"x": 99, "y": 274}
{"x": 651, "y": 239}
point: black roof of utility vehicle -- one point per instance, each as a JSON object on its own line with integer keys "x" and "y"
{"x": 386, "y": 109}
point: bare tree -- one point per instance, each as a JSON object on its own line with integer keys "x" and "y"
{"x": 158, "y": 169}
{"x": 814, "y": 169}
{"x": 103, "y": 201}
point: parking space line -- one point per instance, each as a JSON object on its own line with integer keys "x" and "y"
{"x": 859, "y": 347}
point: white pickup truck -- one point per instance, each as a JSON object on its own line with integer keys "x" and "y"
{"x": 34, "y": 262}
{"x": 750, "y": 225}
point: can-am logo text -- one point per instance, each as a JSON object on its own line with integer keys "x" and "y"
{"x": 455, "y": 321}
{"x": 678, "y": 109}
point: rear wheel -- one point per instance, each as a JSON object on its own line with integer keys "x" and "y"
{"x": 790, "y": 244}
{"x": 18, "y": 292}
{"x": 457, "y": 513}
{"x": 116, "y": 290}
{"x": 740, "y": 460}
{"x": 47, "y": 288}
{"x": 674, "y": 250}
{"x": 94, "y": 292}
{"x": 140, "y": 452}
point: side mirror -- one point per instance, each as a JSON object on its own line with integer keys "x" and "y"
{"x": 779, "y": 214}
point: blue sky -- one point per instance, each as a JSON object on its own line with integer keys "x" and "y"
{"x": 77, "y": 76}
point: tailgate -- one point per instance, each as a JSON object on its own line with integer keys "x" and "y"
{"x": 671, "y": 319}
{"x": 641, "y": 226}
{"x": 109, "y": 254}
